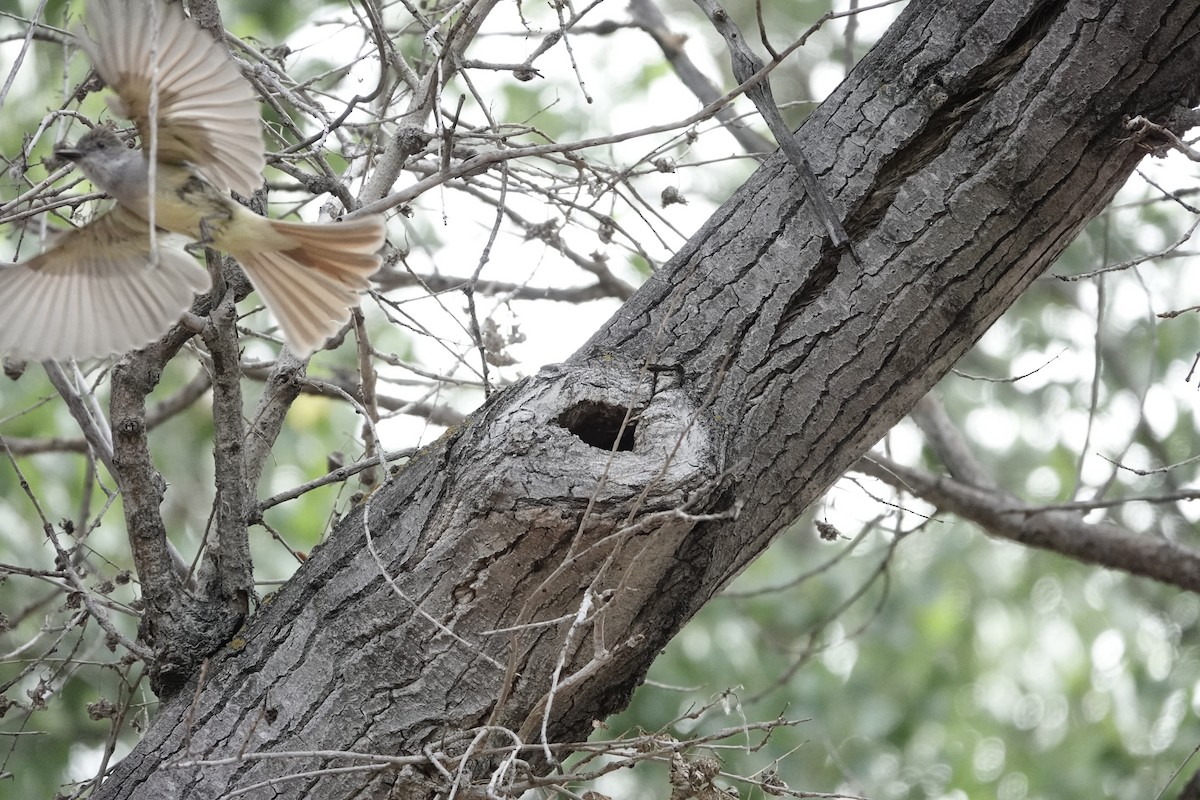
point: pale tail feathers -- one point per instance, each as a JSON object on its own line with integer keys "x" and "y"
{"x": 311, "y": 288}
{"x": 98, "y": 306}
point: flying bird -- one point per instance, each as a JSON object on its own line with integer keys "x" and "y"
{"x": 111, "y": 285}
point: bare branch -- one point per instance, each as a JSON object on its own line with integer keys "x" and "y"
{"x": 1061, "y": 532}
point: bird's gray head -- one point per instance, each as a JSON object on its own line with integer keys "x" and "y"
{"x": 95, "y": 141}
{"x": 106, "y": 161}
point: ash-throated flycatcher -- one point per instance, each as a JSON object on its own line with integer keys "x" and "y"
{"x": 99, "y": 289}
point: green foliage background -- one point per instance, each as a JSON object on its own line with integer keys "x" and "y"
{"x": 966, "y": 667}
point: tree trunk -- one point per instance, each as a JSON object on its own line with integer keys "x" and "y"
{"x": 521, "y": 573}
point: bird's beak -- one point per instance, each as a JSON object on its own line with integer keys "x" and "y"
{"x": 63, "y": 153}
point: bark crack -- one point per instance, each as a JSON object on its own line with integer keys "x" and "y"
{"x": 953, "y": 111}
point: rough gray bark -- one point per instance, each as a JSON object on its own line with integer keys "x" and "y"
{"x": 964, "y": 153}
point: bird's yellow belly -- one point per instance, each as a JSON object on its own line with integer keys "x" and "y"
{"x": 187, "y": 204}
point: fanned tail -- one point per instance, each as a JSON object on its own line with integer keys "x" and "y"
{"x": 311, "y": 287}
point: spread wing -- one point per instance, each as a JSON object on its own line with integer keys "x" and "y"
{"x": 207, "y": 112}
{"x": 95, "y": 293}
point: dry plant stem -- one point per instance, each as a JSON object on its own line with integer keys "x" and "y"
{"x": 650, "y": 19}
{"x": 115, "y": 729}
{"x": 38, "y": 13}
{"x": 64, "y": 560}
{"x": 820, "y": 569}
{"x": 1063, "y": 532}
{"x": 425, "y": 377}
{"x": 848, "y": 58}
{"x": 1190, "y": 790}
{"x": 516, "y": 291}
{"x": 335, "y": 476}
{"x": 160, "y": 413}
{"x": 814, "y": 643}
{"x": 952, "y": 449}
{"x": 1175, "y": 197}
{"x": 388, "y": 169}
{"x": 1179, "y": 495}
{"x": 632, "y": 749}
{"x": 410, "y": 137}
{"x": 613, "y": 286}
{"x": 43, "y": 197}
{"x": 383, "y": 51}
{"x": 24, "y": 446}
{"x": 367, "y": 380}
{"x": 469, "y": 289}
{"x": 487, "y": 159}
{"x": 1142, "y": 127}
{"x": 746, "y": 70}
{"x": 95, "y": 430}
{"x": 1133, "y": 262}
{"x": 33, "y": 663}
{"x": 339, "y": 388}
{"x": 1098, "y": 367}
{"x": 94, "y": 609}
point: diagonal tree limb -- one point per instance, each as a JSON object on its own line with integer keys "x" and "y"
{"x": 945, "y": 439}
{"x": 965, "y": 172}
{"x": 283, "y": 384}
{"x": 225, "y": 576}
{"x": 1064, "y": 532}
